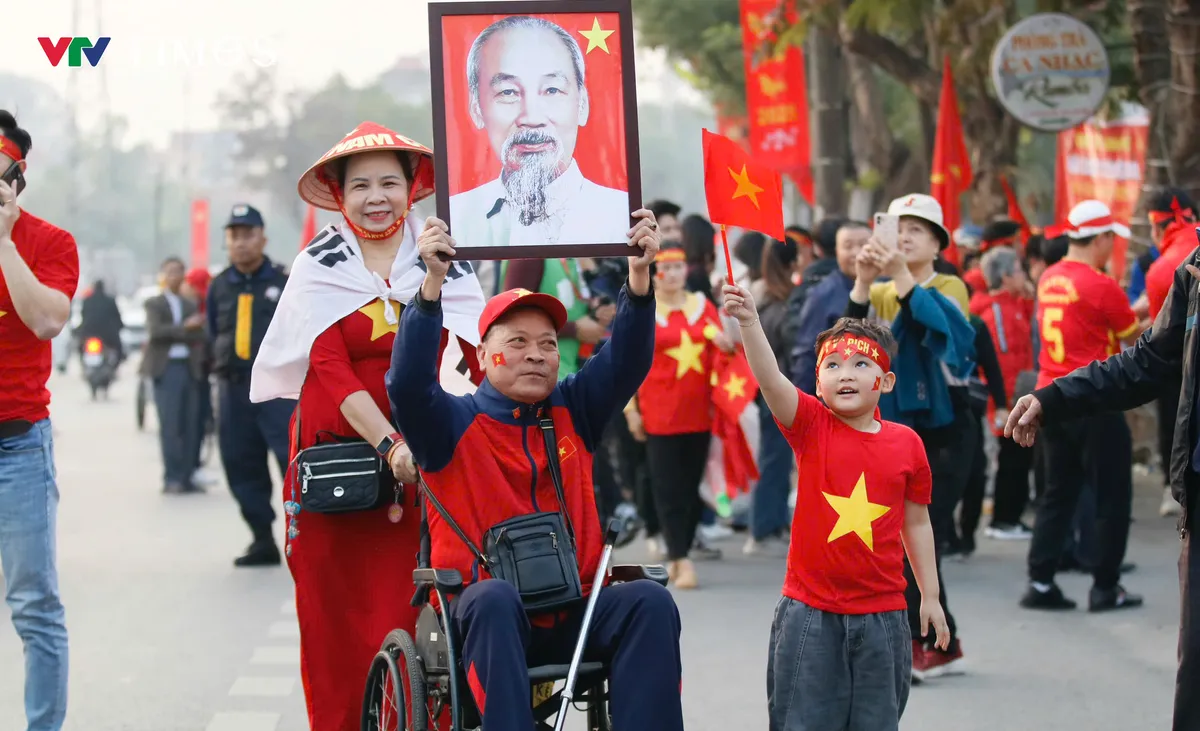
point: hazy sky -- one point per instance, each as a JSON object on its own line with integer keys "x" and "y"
{"x": 167, "y": 60}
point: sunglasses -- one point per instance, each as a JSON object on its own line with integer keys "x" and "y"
{"x": 15, "y": 177}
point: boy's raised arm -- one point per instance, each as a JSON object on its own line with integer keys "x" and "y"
{"x": 780, "y": 394}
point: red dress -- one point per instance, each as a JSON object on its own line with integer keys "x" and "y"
{"x": 353, "y": 571}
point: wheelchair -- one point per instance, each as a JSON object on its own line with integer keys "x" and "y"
{"x": 419, "y": 684}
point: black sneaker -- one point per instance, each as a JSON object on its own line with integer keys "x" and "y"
{"x": 1102, "y": 600}
{"x": 1051, "y": 599}
{"x": 260, "y": 553}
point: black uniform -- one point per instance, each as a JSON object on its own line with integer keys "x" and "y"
{"x": 240, "y": 308}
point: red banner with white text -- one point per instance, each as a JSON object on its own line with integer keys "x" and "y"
{"x": 200, "y": 233}
{"x": 1104, "y": 160}
{"x": 776, "y": 96}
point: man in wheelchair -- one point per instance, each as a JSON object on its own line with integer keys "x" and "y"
{"x": 508, "y": 471}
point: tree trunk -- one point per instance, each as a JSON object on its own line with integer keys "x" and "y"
{"x": 871, "y": 141}
{"x": 829, "y": 139}
{"x": 1152, "y": 68}
{"x": 1183, "y": 36}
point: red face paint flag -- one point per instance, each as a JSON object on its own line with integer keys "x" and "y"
{"x": 498, "y": 359}
{"x": 878, "y": 382}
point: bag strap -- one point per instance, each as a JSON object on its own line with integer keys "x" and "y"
{"x": 547, "y": 425}
{"x": 441, "y": 509}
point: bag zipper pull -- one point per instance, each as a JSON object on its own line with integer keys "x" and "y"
{"x": 554, "y": 540}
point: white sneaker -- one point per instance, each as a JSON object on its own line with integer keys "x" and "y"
{"x": 1001, "y": 532}
{"x": 770, "y": 547}
{"x": 204, "y": 478}
{"x": 655, "y": 550}
{"x": 715, "y": 532}
{"x": 1169, "y": 505}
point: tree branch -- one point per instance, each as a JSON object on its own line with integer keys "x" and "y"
{"x": 925, "y": 82}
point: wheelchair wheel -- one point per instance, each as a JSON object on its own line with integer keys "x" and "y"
{"x": 395, "y": 699}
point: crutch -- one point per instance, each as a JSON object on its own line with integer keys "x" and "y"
{"x": 568, "y": 693}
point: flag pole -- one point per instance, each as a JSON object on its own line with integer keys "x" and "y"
{"x": 728, "y": 258}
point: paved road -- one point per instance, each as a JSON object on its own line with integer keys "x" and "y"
{"x": 167, "y": 636}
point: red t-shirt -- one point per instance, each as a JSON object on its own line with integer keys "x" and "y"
{"x": 846, "y": 554}
{"x": 25, "y": 361}
{"x": 1177, "y": 244}
{"x": 1082, "y": 317}
{"x": 676, "y": 397}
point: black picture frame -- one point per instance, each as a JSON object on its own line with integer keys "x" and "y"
{"x": 623, "y": 8}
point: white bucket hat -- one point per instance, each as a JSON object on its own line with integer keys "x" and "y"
{"x": 924, "y": 207}
{"x": 1092, "y": 218}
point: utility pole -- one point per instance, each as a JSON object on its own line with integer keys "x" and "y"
{"x": 830, "y": 139}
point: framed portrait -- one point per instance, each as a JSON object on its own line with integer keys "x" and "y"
{"x": 535, "y": 127}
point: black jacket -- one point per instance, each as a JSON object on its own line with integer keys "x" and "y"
{"x": 1135, "y": 376}
{"x": 260, "y": 294}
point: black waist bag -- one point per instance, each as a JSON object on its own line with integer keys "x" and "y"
{"x": 536, "y": 552}
{"x": 344, "y": 475}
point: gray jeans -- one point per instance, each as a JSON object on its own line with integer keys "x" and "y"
{"x": 837, "y": 672}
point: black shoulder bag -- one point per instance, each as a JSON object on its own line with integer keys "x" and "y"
{"x": 343, "y": 475}
{"x": 536, "y": 552}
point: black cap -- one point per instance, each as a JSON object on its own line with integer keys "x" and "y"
{"x": 245, "y": 215}
{"x": 997, "y": 230}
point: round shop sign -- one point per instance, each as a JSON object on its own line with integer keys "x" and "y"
{"x": 1050, "y": 71}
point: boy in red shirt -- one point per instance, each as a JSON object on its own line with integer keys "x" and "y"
{"x": 841, "y": 649}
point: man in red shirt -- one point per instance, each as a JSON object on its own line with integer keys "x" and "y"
{"x": 39, "y": 272}
{"x": 1082, "y": 316}
{"x": 1172, "y": 215}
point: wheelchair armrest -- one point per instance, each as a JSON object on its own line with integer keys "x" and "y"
{"x": 622, "y": 573}
{"x": 447, "y": 581}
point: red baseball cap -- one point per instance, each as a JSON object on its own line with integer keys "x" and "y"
{"x": 504, "y": 302}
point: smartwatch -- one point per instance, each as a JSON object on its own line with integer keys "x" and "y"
{"x": 388, "y": 442}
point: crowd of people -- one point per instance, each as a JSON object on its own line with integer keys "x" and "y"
{"x": 882, "y": 371}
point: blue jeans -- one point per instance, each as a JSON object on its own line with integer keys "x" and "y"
{"x": 769, "y": 508}
{"x": 837, "y": 672}
{"x": 28, "y": 517}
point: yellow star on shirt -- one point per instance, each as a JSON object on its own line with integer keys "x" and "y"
{"x": 855, "y": 513}
{"x": 745, "y": 186}
{"x": 687, "y": 356}
{"x": 735, "y": 387}
{"x": 3, "y": 313}
{"x": 379, "y": 323}
{"x": 596, "y": 37}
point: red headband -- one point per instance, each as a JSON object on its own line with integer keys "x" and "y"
{"x": 10, "y": 148}
{"x": 852, "y": 345}
{"x": 670, "y": 255}
{"x": 1178, "y": 213}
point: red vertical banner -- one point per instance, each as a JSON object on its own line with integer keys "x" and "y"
{"x": 776, "y": 96}
{"x": 1104, "y": 160}
{"x": 308, "y": 231}
{"x": 200, "y": 233}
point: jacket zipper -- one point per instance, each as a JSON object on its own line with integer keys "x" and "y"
{"x": 532, "y": 467}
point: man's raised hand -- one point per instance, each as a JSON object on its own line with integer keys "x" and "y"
{"x": 434, "y": 246}
{"x": 644, "y": 235}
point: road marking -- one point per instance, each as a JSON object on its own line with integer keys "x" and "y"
{"x": 272, "y": 687}
{"x": 275, "y": 656}
{"x": 244, "y": 722}
{"x": 284, "y": 629}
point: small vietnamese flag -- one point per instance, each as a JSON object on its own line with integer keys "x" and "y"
{"x": 741, "y": 192}
{"x": 498, "y": 359}
{"x": 308, "y": 231}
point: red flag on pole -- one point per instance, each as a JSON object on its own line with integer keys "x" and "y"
{"x": 1015, "y": 213}
{"x": 741, "y": 192}
{"x": 951, "y": 176}
{"x": 200, "y": 233}
{"x": 308, "y": 232}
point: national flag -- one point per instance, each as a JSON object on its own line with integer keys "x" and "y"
{"x": 199, "y": 233}
{"x": 951, "y": 176}
{"x": 1015, "y": 213}
{"x": 498, "y": 359}
{"x": 739, "y": 191}
{"x": 308, "y": 231}
{"x": 734, "y": 390}
{"x": 566, "y": 449}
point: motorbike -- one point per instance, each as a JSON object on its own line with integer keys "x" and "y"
{"x": 99, "y": 366}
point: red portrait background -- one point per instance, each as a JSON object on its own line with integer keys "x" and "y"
{"x": 600, "y": 149}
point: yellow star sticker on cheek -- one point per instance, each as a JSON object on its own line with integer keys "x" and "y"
{"x": 596, "y": 37}
{"x": 379, "y": 324}
{"x": 687, "y": 356}
{"x": 855, "y": 513}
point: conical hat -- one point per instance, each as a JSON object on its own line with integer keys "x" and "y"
{"x": 314, "y": 186}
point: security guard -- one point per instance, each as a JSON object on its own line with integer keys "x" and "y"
{"x": 241, "y": 303}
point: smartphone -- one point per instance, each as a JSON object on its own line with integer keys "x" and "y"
{"x": 887, "y": 228}
{"x": 14, "y": 177}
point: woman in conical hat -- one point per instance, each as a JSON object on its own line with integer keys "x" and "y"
{"x": 330, "y": 345}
